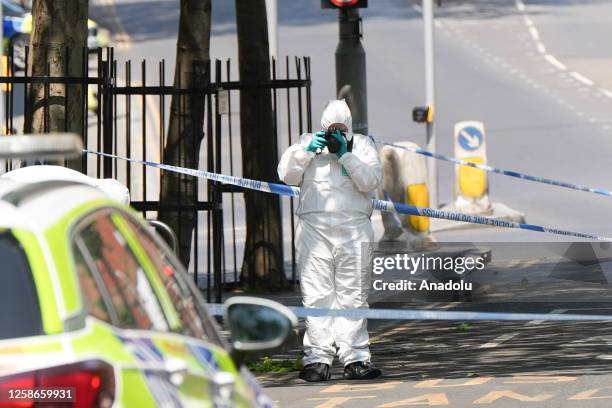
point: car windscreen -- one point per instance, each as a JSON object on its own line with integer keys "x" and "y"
{"x": 20, "y": 310}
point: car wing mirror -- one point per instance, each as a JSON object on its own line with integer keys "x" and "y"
{"x": 258, "y": 324}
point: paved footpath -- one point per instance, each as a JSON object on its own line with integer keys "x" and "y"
{"x": 435, "y": 363}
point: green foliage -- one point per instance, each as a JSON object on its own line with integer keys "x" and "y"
{"x": 463, "y": 327}
{"x": 268, "y": 365}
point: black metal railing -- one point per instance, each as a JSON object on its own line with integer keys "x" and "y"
{"x": 128, "y": 117}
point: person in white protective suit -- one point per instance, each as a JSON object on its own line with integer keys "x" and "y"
{"x": 333, "y": 220}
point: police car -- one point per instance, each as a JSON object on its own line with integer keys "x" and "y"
{"x": 96, "y": 311}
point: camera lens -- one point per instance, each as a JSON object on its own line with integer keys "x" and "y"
{"x": 333, "y": 145}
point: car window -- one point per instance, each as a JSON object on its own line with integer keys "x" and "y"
{"x": 128, "y": 288}
{"x": 188, "y": 303}
{"x": 19, "y": 306}
{"x": 94, "y": 300}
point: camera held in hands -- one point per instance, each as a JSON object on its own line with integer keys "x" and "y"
{"x": 333, "y": 145}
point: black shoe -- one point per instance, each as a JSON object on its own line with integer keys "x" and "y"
{"x": 361, "y": 370}
{"x": 315, "y": 372}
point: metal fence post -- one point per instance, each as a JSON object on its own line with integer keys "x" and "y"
{"x": 107, "y": 112}
{"x": 218, "y": 201}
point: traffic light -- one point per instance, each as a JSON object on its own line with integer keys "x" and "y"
{"x": 344, "y": 4}
{"x": 423, "y": 114}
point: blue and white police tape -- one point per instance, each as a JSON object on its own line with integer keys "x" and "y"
{"x": 216, "y": 309}
{"x": 496, "y": 170}
{"x": 381, "y": 205}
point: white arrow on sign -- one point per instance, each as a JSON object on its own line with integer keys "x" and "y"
{"x": 472, "y": 141}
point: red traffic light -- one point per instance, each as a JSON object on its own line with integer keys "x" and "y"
{"x": 344, "y": 3}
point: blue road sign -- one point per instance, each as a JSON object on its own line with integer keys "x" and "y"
{"x": 470, "y": 138}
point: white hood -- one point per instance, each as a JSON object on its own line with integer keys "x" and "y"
{"x": 337, "y": 111}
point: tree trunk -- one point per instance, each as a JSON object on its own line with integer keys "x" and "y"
{"x": 57, "y": 48}
{"x": 263, "y": 253}
{"x": 185, "y": 131}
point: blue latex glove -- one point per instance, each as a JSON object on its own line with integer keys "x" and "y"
{"x": 318, "y": 142}
{"x": 343, "y": 148}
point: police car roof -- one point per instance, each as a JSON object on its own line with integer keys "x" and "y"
{"x": 36, "y": 205}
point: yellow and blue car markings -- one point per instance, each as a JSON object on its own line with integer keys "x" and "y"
{"x": 134, "y": 354}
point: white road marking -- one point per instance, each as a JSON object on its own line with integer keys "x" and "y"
{"x": 555, "y": 62}
{"x": 589, "y": 341}
{"x": 537, "y": 322}
{"x": 596, "y": 341}
{"x": 407, "y": 326}
{"x": 534, "y": 33}
{"x": 498, "y": 340}
{"x": 581, "y": 78}
{"x": 606, "y": 92}
{"x": 509, "y": 336}
{"x": 549, "y": 57}
{"x": 541, "y": 48}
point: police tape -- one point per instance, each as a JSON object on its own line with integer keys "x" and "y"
{"x": 217, "y": 309}
{"x": 380, "y": 205}
{"x": 496, "y": 170}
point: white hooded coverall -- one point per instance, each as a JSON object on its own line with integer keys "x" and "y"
{"x": 333, "y": 220}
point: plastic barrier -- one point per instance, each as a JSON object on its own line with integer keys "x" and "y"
{"x": 216, "y": 309}
{"x": 379, "y": 205}
{"x": 509, "y": 173}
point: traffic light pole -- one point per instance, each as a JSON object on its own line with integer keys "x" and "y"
{"x": 430, "y": 96}
{"x": 272, "y": 13}
{"x": 351, "y": 68}
{"x": 5, "y": 131}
